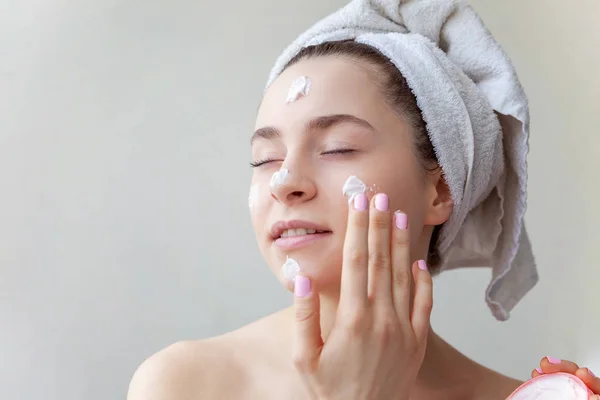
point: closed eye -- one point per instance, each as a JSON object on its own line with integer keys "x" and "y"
{"x": 339, "y": 151}
{"x": 258, "y": 163}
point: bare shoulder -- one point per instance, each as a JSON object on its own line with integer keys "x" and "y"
{"x": 187, "y": 370}
{"x": 224, "y": 367}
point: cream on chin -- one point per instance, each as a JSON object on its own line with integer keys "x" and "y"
{"x": 290, "y": 269}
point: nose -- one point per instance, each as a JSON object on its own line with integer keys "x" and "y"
{"x": 296, "y": 188}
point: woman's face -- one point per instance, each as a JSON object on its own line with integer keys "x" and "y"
{"x": 343, "y": 127}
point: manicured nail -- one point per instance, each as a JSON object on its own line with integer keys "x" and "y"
{"x": 422, "y": 265}
{"x": 382, "y": 202}
{"x": 401, "y": 220}
{"x": 360, "y": 202}
{"x": 591, "y": 373}
{"x": 553, "y": 360}
{"x": 301, "y": 286}
{"x": 539, "y": 370}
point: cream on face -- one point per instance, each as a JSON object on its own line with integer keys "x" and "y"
{"x": 253, "y": 196}
{"x": 290, "y": 269}
{"x": 279, "y": 178}
{"x": 300, "y": 87}
{"x": 353, "y": 187}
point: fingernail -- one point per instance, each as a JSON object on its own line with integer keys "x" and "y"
{"x": 553, "y": 360}
{"x": 360, "y": 202}
{"x": 422, "y": 265}
{"x": 301, "y": 286}
{"x": 591, "y": 373}
{"x": 382, "y": 202}
{"x": 539, "y": 370}
{"x": 401, "y": 220}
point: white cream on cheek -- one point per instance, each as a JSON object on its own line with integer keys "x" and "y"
{"x": 253, "y": 196}
{"x": 290, "y": 269}
{"x": 300, "y": 87}
{"x": 373, "y": 188}
{"x": 353, "y": 187}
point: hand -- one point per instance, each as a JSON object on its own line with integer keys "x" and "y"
{"x": 549, "y": 365}
{"x": 377, "y": 343}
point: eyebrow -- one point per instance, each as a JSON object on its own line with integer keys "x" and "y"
{"x": 319, "y": 123}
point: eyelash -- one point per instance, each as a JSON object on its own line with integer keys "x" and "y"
{"x": 258, "y": 163}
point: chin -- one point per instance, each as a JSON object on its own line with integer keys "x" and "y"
{"x": 325, "y": 275}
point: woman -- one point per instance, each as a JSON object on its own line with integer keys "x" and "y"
{"x": 355, "y": 196}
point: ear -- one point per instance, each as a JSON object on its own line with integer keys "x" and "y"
{"x": 439, "y": 201}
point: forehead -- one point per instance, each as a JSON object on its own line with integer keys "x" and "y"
{"x": 338, "y": 86}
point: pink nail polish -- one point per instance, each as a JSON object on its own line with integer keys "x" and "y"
{"x": 539, "y": 370}
{"x": 553, "y": 360}
{"x": 382, "y": 202}
{"x": 591, "y": 373}
{"x": 360, "y": 202}
{"x": 401, "y": 220}
{"x": 422, "y": 265}
{"x": 301, "y": 286}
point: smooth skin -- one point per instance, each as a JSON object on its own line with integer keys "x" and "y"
{"x": 375, "y": 343}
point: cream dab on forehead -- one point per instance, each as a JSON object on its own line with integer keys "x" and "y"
{"x": 300, "y": 87}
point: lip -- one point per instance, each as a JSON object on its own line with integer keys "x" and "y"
{"x": 294, "y": 242}
{"x": 280, "y": 226}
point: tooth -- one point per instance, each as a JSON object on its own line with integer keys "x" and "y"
{"x": 311, "y": 231}
{"x": 300, "y": 232}
{"x": 284, "y": 234}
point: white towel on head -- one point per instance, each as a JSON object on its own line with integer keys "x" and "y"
{"x": 477, "y": 118}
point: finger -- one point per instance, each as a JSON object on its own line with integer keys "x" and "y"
{"x": 401, "y": 266}
{"x": 307, "y": 342}
{"x": 550, "y": 365}
{"x": 423, "y": 303}
{"x": 536, "y": 372}
{"x": 378, "y": 240}
{"x": 353, "y": 292}
{"x": 590, "y": 379}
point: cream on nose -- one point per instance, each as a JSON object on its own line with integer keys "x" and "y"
{"x": 279, "y": 178}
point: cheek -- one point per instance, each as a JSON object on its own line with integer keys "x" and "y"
{"x": 253, "y": 196}
{"x": 258, "y": 204}
{"x": 256, "y": 200}
{"x": 404, "y": 195}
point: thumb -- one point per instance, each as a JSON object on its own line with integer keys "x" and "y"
{"x": 307, "y": 339}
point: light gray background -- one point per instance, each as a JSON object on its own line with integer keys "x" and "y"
{"x": 124, "y": 226}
